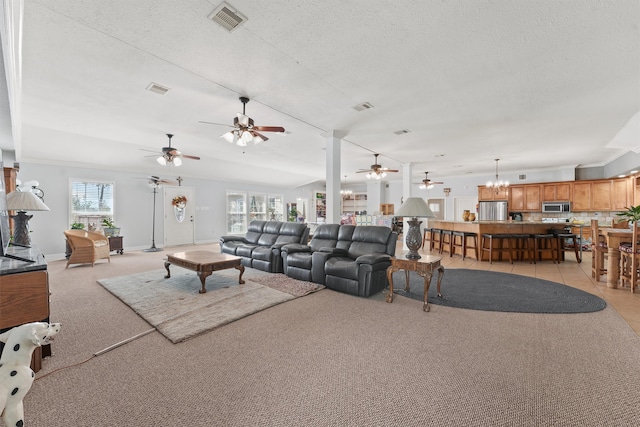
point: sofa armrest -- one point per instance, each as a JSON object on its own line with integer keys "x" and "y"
{"x": 291, "y": 248}
{"x": 334, "y": 251}
{"x": 373, "y": 258}
{"x": 231, "y": 239}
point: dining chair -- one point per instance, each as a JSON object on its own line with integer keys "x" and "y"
{"x": 598, "y": 252}
{"x": 629, "y": 257}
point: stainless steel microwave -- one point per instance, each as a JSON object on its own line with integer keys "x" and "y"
{"x": 557, "y": 207}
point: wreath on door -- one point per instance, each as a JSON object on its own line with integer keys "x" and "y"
{"x": 179, "y": 203}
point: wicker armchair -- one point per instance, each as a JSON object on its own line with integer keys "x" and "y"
{"x": 87, "y": 247}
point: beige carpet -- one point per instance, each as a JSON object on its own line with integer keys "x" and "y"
{"x": 176, "y": 309}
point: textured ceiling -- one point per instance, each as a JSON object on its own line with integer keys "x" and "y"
{"x": 539, "y": 84}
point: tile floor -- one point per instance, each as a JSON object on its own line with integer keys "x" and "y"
{"x": 568, "y": 272}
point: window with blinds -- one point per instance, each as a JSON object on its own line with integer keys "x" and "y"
{"x": 91, "y": 202}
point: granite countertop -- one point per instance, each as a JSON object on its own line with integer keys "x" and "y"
{"x": 21, "y": 260}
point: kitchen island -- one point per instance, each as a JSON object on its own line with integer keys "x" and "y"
{"x": 498, "y": 227}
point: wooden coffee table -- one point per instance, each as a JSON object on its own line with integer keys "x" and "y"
{"x": 424, "y": 266}
{"x": 204, "y": 263}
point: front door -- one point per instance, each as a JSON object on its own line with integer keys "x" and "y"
{"x": 179, "y": 207}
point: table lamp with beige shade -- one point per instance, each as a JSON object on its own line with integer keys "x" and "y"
{"x": 414, "y": 207}
{"x": 23, "y": 201}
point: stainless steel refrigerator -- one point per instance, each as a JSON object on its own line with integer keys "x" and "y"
{"x": 492, "y": 211}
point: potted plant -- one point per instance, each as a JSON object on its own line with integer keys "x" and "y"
{"x": 109, "y": 228}
{"x": 632, "y": 214}
{"x": 77, "y": 226}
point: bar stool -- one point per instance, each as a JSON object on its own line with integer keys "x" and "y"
{"x": 463, "y": 243}
{"x": 521, "y": 247}
{"x": 501, "y": 239}
{"x": 545, "y": 243}
{"x": 427, "y": 235}
{"x": 436, "y": 238}
{"x": 562, "y": 237}
{"x": 446, "y": 238}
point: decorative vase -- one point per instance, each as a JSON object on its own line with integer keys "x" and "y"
{"x": 472, "y": 216}
{"x": 465, "y": 215}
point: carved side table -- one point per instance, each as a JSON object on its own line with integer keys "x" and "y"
{"x": 424, "y": 266}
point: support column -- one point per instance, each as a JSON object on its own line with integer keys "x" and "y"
{"x": 374, "y": 190}
{"x": 333, "y": 177}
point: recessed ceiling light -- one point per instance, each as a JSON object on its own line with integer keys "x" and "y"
{"x": 621, "y": 176}
{"x": 633, "y": 172}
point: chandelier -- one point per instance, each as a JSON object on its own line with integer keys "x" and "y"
{"x": 498, "y": 185}
{"x": 344, "y": 191}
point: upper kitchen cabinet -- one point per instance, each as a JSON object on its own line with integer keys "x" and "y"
{"x": 556, "y": 192}
{"x": 485, "y": 193}
{"x": 581, "y": 196}
{"x": 621, "y": 194}
{"x": 525, "y": 198}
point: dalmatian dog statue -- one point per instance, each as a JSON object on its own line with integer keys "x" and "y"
{"x": 16, "y": 375}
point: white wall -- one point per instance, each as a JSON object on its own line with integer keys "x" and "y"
{"x": 133, "y": 205}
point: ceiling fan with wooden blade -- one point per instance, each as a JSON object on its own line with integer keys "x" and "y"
{"x": 427, "y": 183}
{"x": 172, "y": 155}
{"x": 376, "y": 171}
{"x": 244, "y": 129}
{"x": 156, "y": 180}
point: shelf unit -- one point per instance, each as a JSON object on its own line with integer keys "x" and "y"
{"x": 354, "y": 203}
{"x": 320, "y": 205}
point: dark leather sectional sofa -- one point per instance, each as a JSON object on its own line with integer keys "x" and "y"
{"x": 346, "y": 258}
{"x": 260, "y": 246}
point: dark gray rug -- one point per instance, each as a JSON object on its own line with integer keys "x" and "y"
{"x": 493, "y": 291}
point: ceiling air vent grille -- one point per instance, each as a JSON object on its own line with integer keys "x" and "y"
{"x": 363, "y": 106}
{"x": 227, "y": 17}
{"x": 156, "y": 88}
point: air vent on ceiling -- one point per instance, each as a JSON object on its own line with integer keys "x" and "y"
{"x": 522, "y": 177}
{"x": 156, "y": 88}
{"x": 363, "y": 106}
{"x": 402, "y": 132}
{"x": 227, "y": 17}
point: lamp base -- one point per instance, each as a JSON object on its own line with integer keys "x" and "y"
{"x": 413, "y": 239}
{"x": 21, "y": 229}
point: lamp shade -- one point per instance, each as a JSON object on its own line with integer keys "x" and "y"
{"x": 415, "y": 207}
{"x": 25, "y": 201}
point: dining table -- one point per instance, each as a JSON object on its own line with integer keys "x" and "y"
{"x": 613, "y": 237}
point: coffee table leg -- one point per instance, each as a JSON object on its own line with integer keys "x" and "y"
{"x": 241, "y": 268}
{"x": 166, "y": 265}
{"x": 203, "y": 276}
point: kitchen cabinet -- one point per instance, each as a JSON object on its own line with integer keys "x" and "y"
{"x": 581, "y": 198}
{"x": 387, "y": 208}
{"x": 621, "y": 194}
{"x": 485, "y": 193}
{"x": 556, "y": 192}
{"x": 525, "y": 198}
{"x": 601, "y": 195}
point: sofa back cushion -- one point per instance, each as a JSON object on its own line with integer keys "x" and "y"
{"x": 254, "y": 231}
{"x": 270, "y": 233}
{"x": 293, "y": 232}
{"x": 369, "y": 239}
{"x": 324, "y": 236}
{"x": 344, "y": 236}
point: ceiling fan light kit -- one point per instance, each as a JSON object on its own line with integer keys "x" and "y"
{"x": 376, "y": 171}
{"x": 244, "y": 130}
{"x": 171, "y": 155}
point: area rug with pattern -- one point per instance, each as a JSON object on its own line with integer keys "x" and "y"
{"x": 176, "y": 309}
{"x": 495, "y": 291}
